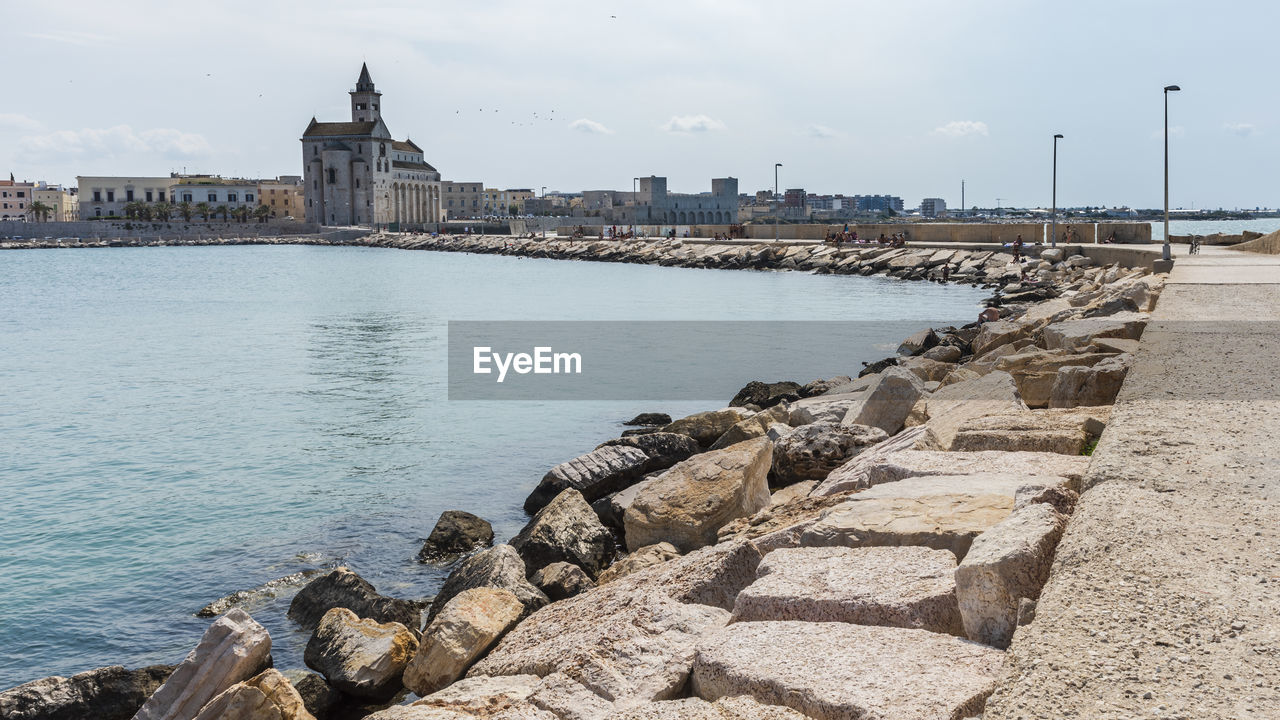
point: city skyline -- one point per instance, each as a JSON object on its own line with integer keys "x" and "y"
{"x": 869, "y": 100}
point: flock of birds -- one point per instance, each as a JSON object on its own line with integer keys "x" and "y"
{"x": 531, "y": 122}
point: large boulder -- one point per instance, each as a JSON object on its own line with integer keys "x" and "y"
{"x": 994, "y": 334}
{"x": 266, "y": 696}
{"x": 1035, "y": 371}
{"x": 343, "y": 588}
{"x": 711, "y": 576}
{"x": 919, "y": 342}
{"x": 464, "y": 631}
{"x": 360, "y": 657}
{"x": 687, "y": 504}
{"x": 951, "y": 406}
{"x": 829, "y": 408}
{"x": 561, "y": 580}
{"x": 903, "y": 464}
{"x": 663, "y": 449}
{"x": 1064, "y": 431}
{"x": 109, "y": 693}
{"x": 232, "y": 650}
{"x": 753, "y": 427}
{"x": 1096, "y": 385}
{"x": 819, "y": 387}
{"x": 886, "y": 403}
{"x": 500, "y": 567}
{"x": 600, "y": 472}
{"x": 567, "y": 530}
{"x": 910, "y": 587}
{"x": 927, "y": 369}
{"x": 848, "y": 476}
{"x": 838, "y": 671}
{"x": 455, "y": 533}
{"x": 811, "y": 452}
{"x": 649, "y": 418}
{"x": 642, "y": 558}
{"x": 1078, "y": 334}
{"x": 707, "y": 427}
{"x": 1008, "y": 563}
{"x": 766, "y": 395}
{"x": 728, "y": 708}
{"x": 317, "y": 696}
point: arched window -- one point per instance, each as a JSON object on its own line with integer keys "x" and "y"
{"x": 333, "y": 176}
{"x": 382, "y": 149}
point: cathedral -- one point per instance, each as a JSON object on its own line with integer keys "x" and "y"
{"x": 355, "y": 173}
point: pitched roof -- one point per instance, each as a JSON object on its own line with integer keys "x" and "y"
{"x": 405, "y": 145}
{"x": 412, "y": 165}
{"x": 364, "y": 83}
{"x": 332, "y": 129}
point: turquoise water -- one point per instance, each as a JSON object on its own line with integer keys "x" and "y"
{"x": 181, "y": 423}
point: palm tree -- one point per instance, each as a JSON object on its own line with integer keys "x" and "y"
{"x": 130, "y": 210}
{"x": 185, "y": 210}
{"x": 262, "y": 213}
{"x": 144, "y": 211}
{"x": 162, "y": 210}
{"x": 243, "y": 213}
{"x": 40, "y": 210}
{"x": 204, "y": 210}
{"x": 222, "y": 210}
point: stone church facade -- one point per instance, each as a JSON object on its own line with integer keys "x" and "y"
{"x": 356, "y": 173}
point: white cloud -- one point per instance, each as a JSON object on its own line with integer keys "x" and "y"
{"x": 692, "y": 124}
{"x": 590, "y": 127}
{"x": 81, "y": 39}
{"x": 961, "y": 128}
{"x": 120, "y": 140}
{"x": 14, "y": 121}
{"x": 821, "y": 132}
{"x": 1240, "y": 128}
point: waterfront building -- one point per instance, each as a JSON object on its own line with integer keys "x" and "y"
{"x": 63, "y": 202}
{"x": 233, "y": 193}
{"x": 462, "y": 200}
{"x": 283, "y": 196}
{"x": 101, "y": 197}
{"x": 356, "y": 173}
{"x": 879, "y": 203}
{"x": 933, "y": 207}
{"x": 15, "y": 199}
{"x": 654, "y": 205}
{"x": 500, "y": 202}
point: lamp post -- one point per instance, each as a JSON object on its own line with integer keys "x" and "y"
{"x": 1053, "y": 239}
{"x": 775, "y": 198}
{"x": 1166, "y": 252}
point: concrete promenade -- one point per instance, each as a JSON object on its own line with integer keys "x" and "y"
{"x": 1164, "y": 600}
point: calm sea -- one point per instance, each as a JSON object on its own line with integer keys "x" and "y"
{"x": 181, "y": 423}
{"x": 1209, "y": 227}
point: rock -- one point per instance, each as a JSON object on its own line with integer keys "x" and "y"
{"x": 959, "y": 375}
{"x": 1035, "y": 371}
{"x": 687, "y": 504}
{"x": 849, "y": 476}
{"x": 642, "y": 558}
{"x": 728, "y": 708}
{"x": 317, "y": 696}
{"x": 596, "y": 474}
{"x": 108, "y": 693}
{"x": 561, "y": 580}
{"x": 994, "y": 334}
{"x": 944, "y": 353}
{"x": 711, "y": 576}
{"x": 918, "y": 343}
{"x": 987, "y": 361}
{"x": 766, "y": 395}
{"x": 877, "y": 366}
{"x": 266, "y": 696}
{"x": 1078, "y": 334}
{"x": 455, "y": 533}
{"x": 1059, "y": 496}
{"x": 811, "y": 452}
{"x": 837, "y": 671}
{"x": 258, "y": 596}
{"x": 1116, "y": 345}
{"x": 927, "y": 370}
{"x": 649, "y": 418}
{"x": 358, "y": 656}
{"x": 755, "y": 426}
{"x": 1096, "y": 385}
{"x": 613, "y": 508}
{"x": 943, "y": 522}
{"x": 345, "y": 589}
{"x": 825, "y": 408}
{"x": 1052, "y": 255}
{"x": 664, "y": 449}
{"x": 780, "y": 526}
{"x": 1007, "y": 563}
{"x": 567, "y": 530}
{"x": 903, "y": 464}
{"x": 952, "y": 406}
{"x": 707, "y": 427}
{"x": 1006, "y": 484}
{"x": 499, "y": 567}
{"x": 819, "y": 387}
{"x": 625, "y": 644}
{"x": 483, "y": 693}
{"x": 1062, "y": 431}
{"x": 908, "y": 587}
{"x": 886, "y": 403}
{"x": 468, "y": 626}
{"x": 232, "y": 650}
{"x": 792, "y": 492}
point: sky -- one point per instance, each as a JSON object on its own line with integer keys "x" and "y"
{"x": 905, "y": 98}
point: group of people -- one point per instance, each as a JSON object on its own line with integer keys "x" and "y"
{"x": 843, "y": 237}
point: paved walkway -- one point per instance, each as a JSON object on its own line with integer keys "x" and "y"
{"x": 1165, "y": 596}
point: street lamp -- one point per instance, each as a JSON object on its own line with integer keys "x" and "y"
{"x": 1166, "y": 252}
{"x": 778, "y": 211}
{"x": 1053, "y": 239}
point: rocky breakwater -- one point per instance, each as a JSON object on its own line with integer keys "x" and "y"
{"x": 846, "y": 548}
{"x": 160, "y": 241}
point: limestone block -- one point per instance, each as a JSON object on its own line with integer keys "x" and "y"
{"x": 915, "y": 463}
{"x": 464, "y": 630}
{"x": 727, "y": 708}
{"x": 360, "y": 657}
{"x": 566, "y": 530}
{"x": 850, "y": 476}
{"x": 994, "y": 334}
{"x": 1089, "y": 386}
{"x": 596, "y": 474}
{"x": 499, "y": 566}
{"x": 811, "y": 452}
{"x": 108, "y": 693}
{"x": 1063, "y": 431}
{"x": 646, "y": 556}
{"x": 561, "y": 580}
{"x": 707, "y": 427}
{"x": 455, "y": 533}
{"x": 952, "y": 406}
{"x": 886, "y": 403}
{"x": 943, "y": 522}
{"x": 266, "y": 696}
{"x": 1078, "y": 334}
{"x": 344, "y": 588}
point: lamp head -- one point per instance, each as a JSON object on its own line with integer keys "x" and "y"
{"x": 1171, "y": 88}
{"x": 777, "y": 164}
{"x": 1058, "y": 136}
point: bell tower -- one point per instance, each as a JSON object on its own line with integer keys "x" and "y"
{"x": 366, "y": 101}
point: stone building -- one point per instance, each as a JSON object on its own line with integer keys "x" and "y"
{"x": 107, "y": 196}
{"x": 216, "y": 191}
{"x": 15, "y": 199}
{"x": 283, "y": 196}
{"x": 63, "y": 201}
{"x": 356, "y": 173}
{"x": 654, "y": 205}
{"x": 463, "y": 200}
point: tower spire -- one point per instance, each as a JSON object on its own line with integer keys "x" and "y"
{"x": 365, "y": 83}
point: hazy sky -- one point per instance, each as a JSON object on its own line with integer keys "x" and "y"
{"x": 904, "y": 98}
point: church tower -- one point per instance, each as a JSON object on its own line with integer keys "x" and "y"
{"x": 366, "y": 101}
